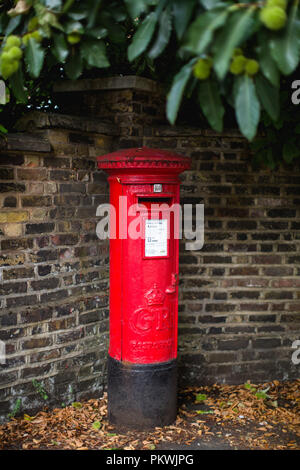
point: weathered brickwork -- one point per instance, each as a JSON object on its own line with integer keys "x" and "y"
{"x": 130, "y": 102}
{"x": 54, "y": 269}
{"x": 239, "y": 301}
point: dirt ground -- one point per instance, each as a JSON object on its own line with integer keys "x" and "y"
{"x": 249, "y": 416}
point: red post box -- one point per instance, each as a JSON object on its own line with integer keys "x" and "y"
{"x": 142, "y": 367}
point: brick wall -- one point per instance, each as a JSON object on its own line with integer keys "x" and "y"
{"x": 239, "y": 306}
{"x": 54, "y": 270}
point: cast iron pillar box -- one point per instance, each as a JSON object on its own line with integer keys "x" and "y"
{"x": 142, "y": 365}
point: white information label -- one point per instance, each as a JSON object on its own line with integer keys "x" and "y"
{"x": 156, "y": 237}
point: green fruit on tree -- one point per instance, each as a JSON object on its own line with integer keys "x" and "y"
{"x": 33, "y": 24}
{"x": 277, "y": 3}
{"x": 8, "y": 68}
{"x": 237, "y": 51}
{"x": 5, "y": 57}
{"x": 12, "y": 41}
{"x": 26, "y": 38}
{"x": 73, "y": 38}
{"x": 273, "y": 17}
{"x": 36, "y": 35}
{"x": 237, "y": 65}
{"x": 251, "y": 67}
{"x": 15, "y": 53}
{"x": 202, "y": 69}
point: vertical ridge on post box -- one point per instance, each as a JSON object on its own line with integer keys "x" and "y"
{"x": 142, "y": 357}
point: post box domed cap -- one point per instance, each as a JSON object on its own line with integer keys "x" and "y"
{"x": 144, "y": 157}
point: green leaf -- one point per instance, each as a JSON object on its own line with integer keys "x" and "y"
{"x": 202, "y": 412}
{"x": 16, "y": 408}
{"x": 67, "y": 5}
{"x": 53, "y": 4}
{"x": 73, "y": 67}
{"x": 177, "y": 89}
{"x": 210, "y": 4}
{"x": 94, "y": 53}
{"x": 93, "y": 13}
{"x": 136, "y": 7}
{"x": 247, "y": 385}
{"x": 3, "y": 129}
{"x": 192, "y": 85}
{"x": 290, "y": 151}
{"x": 74, "y": 27}
{"x": 211, "y": 104}
{"x": 119, "y": 13}
{"x": 98, "y": 32}
{"x": 96, "y": 425}
{"x": 229, "y": 38}
{"x": 77, "y": 16}
{"x": 247, "y": 108}
{"x": 182, "y": 12}
{"x": 142, "y": 37}
{"x": 262, "y": 395}
{"x": 116, "y": 32}
{"x": 266, "y": 63}
{"x": 285, "y": 47}
{"x": 79, "y": 12}
{"x": 164, "y": 33}
{"x": 201, "y": 397}
{"x": 60, "y": 49}
{"x": 28, "y": 417}
{"x": 77, "y": 404}
{"x": 200, "y": 33}
{"x": 34, "y": 57}
{"x": 268, "y": 95}
{"x": 12, "y": 24}
{"x": 46, "y": 19}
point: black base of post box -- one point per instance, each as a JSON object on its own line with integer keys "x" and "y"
{"x": 142, "y": 396}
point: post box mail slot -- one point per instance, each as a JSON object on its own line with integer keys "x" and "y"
{"x": 142, "y": 377}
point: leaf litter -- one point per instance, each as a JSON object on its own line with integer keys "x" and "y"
{"x": 248, "y": 416}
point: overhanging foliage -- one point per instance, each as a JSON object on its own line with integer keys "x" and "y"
{"x": 226, "y": 54}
